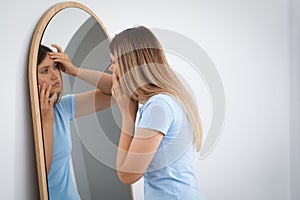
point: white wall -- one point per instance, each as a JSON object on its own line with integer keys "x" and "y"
{"x": 249, "y": 44}
{"x": 295, "y": 100}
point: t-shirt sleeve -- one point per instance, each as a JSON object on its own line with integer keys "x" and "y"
{"x": 157, "y": 115}
{"x": 68, "y": 103}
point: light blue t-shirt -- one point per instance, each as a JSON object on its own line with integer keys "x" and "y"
{"x": 171, "y": 173}
{"x": 60, "y": 182}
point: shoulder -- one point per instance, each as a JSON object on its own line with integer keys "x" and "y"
{"x": 160, "y": 105}
{"x": 67, "y": 98}
{"x": 164, "y": 100}
{"x": 66, "y": 107}
{"x": 66, "y": 103}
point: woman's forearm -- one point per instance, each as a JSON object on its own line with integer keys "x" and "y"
{"x": 125, "y": 140}
{"x": 102, "y": 80}
{"x": 48, "y": 144}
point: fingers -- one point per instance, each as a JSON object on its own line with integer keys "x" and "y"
{"x": 115, "y": 78}
{"x": 53, "y": 99}
{"x": 57, "y": 56}
{"x": 63, "y": 59}
{"x": 115, "y": 90}
{"x": 45, "y": 95}
{"x": 60, "y": 58}
{"x": 42, "y": 92}
{"x": 59, "y": 49}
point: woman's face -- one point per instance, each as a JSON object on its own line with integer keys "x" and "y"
{"x": 113, "y": 68}
{"x": 49, "y": 73}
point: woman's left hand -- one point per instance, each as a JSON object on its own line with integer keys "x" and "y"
{"x": 63, "y": 58}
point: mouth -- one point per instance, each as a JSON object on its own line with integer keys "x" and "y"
{"x": 55, "y": 85}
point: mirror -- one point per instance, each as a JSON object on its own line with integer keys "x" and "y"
{"x": 84, "y": 38}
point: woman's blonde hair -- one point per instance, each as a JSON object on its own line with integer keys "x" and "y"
{"x": 144, "y": 72}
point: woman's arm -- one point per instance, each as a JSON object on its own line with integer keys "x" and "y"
{"x": 47, "y": 122}
{"x": 103, "y": 81}
{"x": 135, "y": 151}
{"x": 92, "y": 101}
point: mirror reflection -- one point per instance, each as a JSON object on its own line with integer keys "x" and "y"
{"x": 75, "y": 98}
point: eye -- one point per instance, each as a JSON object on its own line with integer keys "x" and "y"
{"x": 44, "y": 71}
{"x": 56, "y": 66}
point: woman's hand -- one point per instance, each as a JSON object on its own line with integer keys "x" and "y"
{"x": 64, "y": 60}
{"x": 126, "y": 104}
{"x": 46, "y": 104}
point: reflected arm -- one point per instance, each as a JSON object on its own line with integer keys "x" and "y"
{"x": 48, "y": 142}
{"x": 92, "y": 101}
{"x": 47, "y": 122}
{"x": 103, "y": 81}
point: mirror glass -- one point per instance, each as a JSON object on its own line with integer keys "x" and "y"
{"x": 94, "y": 137}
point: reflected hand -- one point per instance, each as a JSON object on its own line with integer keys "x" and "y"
{"x": 46, "y": 104}
{"x": 64, "y": 60}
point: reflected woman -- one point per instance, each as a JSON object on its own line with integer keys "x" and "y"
{"x": 159, "y": 143}
{"x": 57, "y": 111}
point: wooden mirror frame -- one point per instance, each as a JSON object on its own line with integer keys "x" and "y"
{"x": 33, "y": 88}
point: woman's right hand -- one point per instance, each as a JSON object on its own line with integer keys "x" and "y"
{"x": 46, "y": 104}
{"x": 64, "y": 60}
{"x": 127, "y": 105}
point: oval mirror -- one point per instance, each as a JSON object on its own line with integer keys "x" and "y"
{"x": 84, "y": 38}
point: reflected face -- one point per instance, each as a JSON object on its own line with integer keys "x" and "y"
{"x": 49, "y": 73}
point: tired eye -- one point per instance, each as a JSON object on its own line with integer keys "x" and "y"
{"x": 44, "y": 71}
{"x": 56, "y": 66}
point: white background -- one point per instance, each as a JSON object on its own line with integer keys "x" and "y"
{"x": 254, "y": 45}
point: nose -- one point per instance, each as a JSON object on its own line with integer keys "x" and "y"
{"x": 54, "y": 74}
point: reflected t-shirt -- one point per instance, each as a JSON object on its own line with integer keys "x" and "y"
{"x": 60, "y": 181}
{"x": 171, "y": 173}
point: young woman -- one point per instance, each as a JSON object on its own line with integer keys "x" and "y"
{"x": 159, "y": 144}
{"x": 57, "y": 111}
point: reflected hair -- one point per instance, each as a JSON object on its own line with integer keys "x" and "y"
{"x": 145, "y": 72}
{"x": 42, "y": 53}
